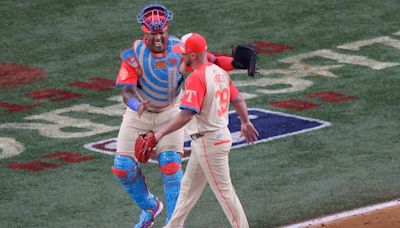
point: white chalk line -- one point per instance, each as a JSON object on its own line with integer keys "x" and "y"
{"x": 345, "y": 214}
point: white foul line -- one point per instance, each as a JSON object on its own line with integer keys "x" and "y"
{"x": 345, "y": 214}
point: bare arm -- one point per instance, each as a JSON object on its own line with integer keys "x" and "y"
{"x": 131, "y": 92}
{"x": 178, "y": 122}
{"x": 246, "y": 127}
{"x": 127, "y": 93}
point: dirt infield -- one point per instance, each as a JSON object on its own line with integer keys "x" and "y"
{"x": 381, "y": 218}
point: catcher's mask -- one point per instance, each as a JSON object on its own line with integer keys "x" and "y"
{"x": 154, "y": 17}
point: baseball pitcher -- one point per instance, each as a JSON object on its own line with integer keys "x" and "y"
{"x": 205, "y": 104}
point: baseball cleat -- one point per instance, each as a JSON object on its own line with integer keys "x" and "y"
{"x": 146, "y": 219}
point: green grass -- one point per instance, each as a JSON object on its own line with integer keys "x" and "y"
{"x": 350, "y": 164}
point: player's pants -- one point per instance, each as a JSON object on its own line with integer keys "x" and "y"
{"x": 167, "y": 151}
{"x": 209, "y": 163}
{"x": 132, "y": 126}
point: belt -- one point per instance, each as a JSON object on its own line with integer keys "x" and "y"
{"x": 151, "y": 111}
{"x": 158, "y": 110}
{"x": 196, "y": 136}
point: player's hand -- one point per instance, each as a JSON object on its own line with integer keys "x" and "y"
{"x": 141, "y": 108}
{"x": 157, "y": 136}
{"x": 249, "y": 132}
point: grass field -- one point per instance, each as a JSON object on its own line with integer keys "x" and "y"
{"x": 334, "y": 61}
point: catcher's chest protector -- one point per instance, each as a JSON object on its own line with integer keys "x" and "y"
{"x": 160, "y": 82}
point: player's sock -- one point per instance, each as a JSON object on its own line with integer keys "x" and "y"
{"x": 128, "y": 173}
{"x": 171, "y": 169}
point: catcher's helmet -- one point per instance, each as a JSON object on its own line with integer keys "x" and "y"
{"x": 154, "y": 17}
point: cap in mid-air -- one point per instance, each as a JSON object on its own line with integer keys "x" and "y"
{"x": 192, "y": 43}
{"x": 154, "y": 17}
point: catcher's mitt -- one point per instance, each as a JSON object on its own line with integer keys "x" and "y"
{"x": 144, "y": 146}
{"x": 245, "y": 57}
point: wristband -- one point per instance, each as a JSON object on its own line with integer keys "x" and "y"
{"x": 133, "y": 104}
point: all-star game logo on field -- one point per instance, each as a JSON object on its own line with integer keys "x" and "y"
{"x": 271, "y": 125}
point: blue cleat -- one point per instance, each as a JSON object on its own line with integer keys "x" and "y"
{"x": 146, "y": 219}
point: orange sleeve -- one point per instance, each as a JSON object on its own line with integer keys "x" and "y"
{"x": 127, "y": 75}
{"x": 225, "y": 62}
{"x": 195, "y": 90}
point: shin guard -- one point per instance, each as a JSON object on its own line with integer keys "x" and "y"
{"x": 128, "y": 173}
{"x": 171, "y": 169}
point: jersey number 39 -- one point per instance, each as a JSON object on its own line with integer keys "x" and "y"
{"x": 223, "y": 97}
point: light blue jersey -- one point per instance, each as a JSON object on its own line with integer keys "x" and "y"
{"x": 161, "y": 81}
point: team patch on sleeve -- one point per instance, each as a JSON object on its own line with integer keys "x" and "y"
{"x": 128, "y": 56}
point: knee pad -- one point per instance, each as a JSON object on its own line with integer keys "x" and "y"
{"x": 125, "y": 168}
{"x": 170, "y": 164}
{"x": 128, "y": 173}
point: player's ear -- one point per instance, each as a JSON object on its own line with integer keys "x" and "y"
{"x": 193, "y": 56}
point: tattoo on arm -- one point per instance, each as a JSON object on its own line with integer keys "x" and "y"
{"x": 127, "y": 93}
